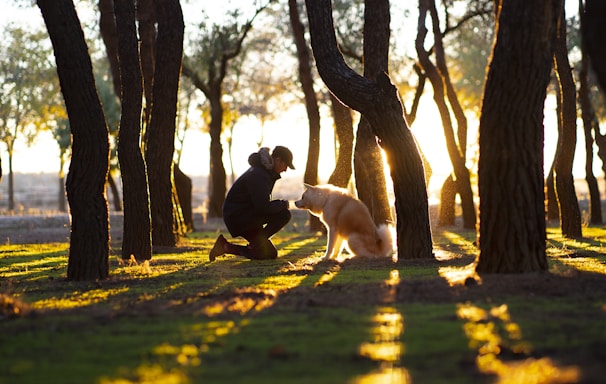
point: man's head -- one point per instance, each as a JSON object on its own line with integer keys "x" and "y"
{"x": 282, "y": 158}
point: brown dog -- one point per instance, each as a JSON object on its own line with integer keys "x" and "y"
{"x": 348, "y": 222}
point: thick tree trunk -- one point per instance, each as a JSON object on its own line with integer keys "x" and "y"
{"x": 136, "y": 239}
{"x": 570, "y": 214}
{"x": 311, "y": 104}
{"x": 512, "y": 210}
{"x": 146, "y": 16}
{"x": 588, "y": 116}
{"x": 160, "y": 145}
{"x": 368, "y": 159}
{"x": 89, "y": 240}
{"x": 553, "y": 211}
{"x": 378, "y": 101}
{"x": 345, "y": 139}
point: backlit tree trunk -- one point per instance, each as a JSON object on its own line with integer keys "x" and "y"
{"x": 161, "y": 135}
{"x": 570, "y": 214}
{"x": 378, "y": 101}
{"x": 345, "y": 139}
{"x": 594, "y": 36}
{"x": 442, "y": 89}
{"x": 368, "y": 159}
{"x": 589, "y": 126}
{"x": 512, "y": 210}
{"x": 136, "y": 239}
{"x": 89, "y": 240}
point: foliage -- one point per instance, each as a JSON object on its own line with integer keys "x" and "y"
{"x": 298, "y": 319}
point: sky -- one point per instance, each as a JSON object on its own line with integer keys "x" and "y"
{"x": 290, "y": 129}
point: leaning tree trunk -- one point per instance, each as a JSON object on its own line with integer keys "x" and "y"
{"x": 570, "y": 214}
{"x": 146, "y": 17}
{"x": 378, "y": 101}
{"x": 594, "y": 35}
{"x": 588, "y": 116}
{"x": 345, "y": 139}
{"x": 136, "y": 231}
{"x": 368, "y": 160}
{"x": 311, "y": 104}
{"x": 512, "y": 210}
{"x": 438, "y": 78}
{"x": 89, "y": 240}
{"x": 161, "y": 139}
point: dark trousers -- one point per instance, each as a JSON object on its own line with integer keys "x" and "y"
{"x": 259, "y": 245}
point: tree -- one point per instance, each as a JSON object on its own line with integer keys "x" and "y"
{"x": 594, "y": 35}
{"x": 27, "y": 91}
{"x": 161, "y": 129}
{"x": 590, "y": 125}
{"x": 136, "y": 240}
{"x": 311, "y": 103}
{"x": 570, "y": 215}
{"x": 89, "y": 240}
{"x": 456, "y": 144}
{"x": 368, "y": 160}
{"x": 512, "y": 212}
{"x": 207, "y": 68}
{"x": 378, "y": 100}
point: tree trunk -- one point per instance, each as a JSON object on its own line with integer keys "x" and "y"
{"x": 146, "y": 16}
{"x": 311, "y": 104}
{"x": 115, "y": 193}
{"x": 184, "y": 192}
{"x": 109, "y": 33}
{"x": 570, "y": 214}
{"x": 448, "y": 194}
{"x": 136, "y": 238}
{"x": 553, "y": 211}
{"x": 216, "y": 182}
{"x": 378, "y": 101}
{"x": 438, "y": 78}
{"x": 588, "y": 115}
{"x": 89, "y": 240}
{"x": 160, "y": 145}
{"x": 512, "y": 210}
{"x": 594, "y": 36}
{"x": 345, "y": 139}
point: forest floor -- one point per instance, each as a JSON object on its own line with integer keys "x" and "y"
{"x": 298, "y": 319}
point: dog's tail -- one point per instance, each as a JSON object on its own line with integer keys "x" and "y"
{"x": 386, "y": 243}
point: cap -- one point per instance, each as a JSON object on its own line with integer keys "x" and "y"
{"x": 285, "y": 154}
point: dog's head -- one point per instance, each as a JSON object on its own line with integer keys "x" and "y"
{"x": 311, "y": 199}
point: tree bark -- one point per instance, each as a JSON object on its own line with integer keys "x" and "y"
{"x": 594, "y": 36}
{"x": 570, "y": 214}
{"x": 146, "y": 16}
{"x": 345, "y": 139}
{"x": 160, "y": 145}
{"x": 378, "y": 101}
{"x": 368, "y": 159}
{"x": 136, "y": 239}
{"x": 588, "y": 116}
{"x": 184, "y": 192}
{"x": 89, "y": 240}
{"x": 311, "y": 104}
{"x": 109, "y": 33}
{"x": 512, "y": 210}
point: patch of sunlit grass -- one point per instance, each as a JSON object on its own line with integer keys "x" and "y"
{"x": 79, "y": 299}
{"x": 492, "y": 333}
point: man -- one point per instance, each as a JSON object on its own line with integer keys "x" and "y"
{"x": 250, "y": 212}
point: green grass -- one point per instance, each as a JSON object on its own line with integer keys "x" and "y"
{"x": 297, "y": 319}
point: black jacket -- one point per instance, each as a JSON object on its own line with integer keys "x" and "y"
{"x": 248, "y": 202}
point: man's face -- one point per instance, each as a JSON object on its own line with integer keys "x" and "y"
{"x": 280, "y": 165}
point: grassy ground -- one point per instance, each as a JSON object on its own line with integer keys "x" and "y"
{"x": 181, "y": 319}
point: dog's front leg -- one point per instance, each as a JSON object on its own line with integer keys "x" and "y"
{"x": 330, "y": 246}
